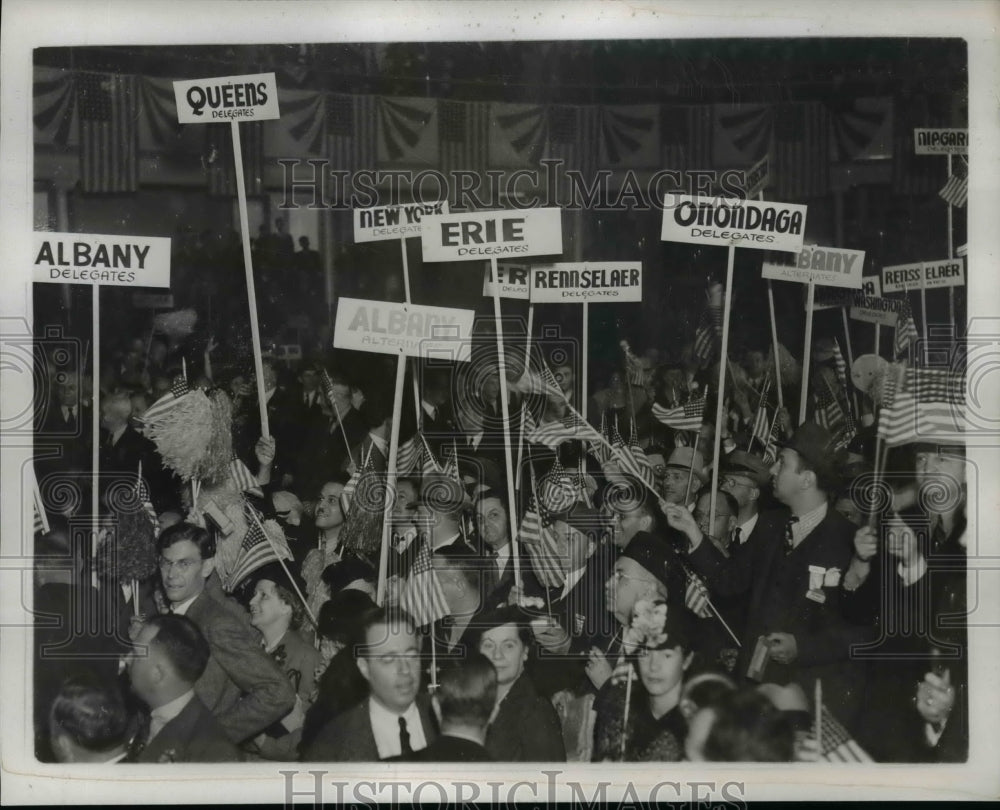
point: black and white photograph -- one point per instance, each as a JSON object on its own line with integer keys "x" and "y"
{"x": 492, "y": 403}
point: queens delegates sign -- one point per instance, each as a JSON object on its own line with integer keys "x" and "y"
{"x": 253, "y": 97}
{"x": 586, "y": 282}
{"x": 441, "y": 333}
{"x": 492, "y": 235}
{"x": 733, "y": 223}
{"x": 119, "y": 261}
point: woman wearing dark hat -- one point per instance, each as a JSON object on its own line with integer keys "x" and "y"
{"x": 277, "y": 612}
{"x": 656, "y": 728}
{"x": 524, "y": 726}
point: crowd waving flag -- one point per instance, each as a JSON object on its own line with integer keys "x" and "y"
{"x": 837, "y": 745}
{"x": 683, "y": 417}
{"x": 257, "y": 549}
{"x": 422, "y": 597}
{"x": 925, "y": 405}
{"x": 906, "y": 330}
{"x": 956, "y": 190}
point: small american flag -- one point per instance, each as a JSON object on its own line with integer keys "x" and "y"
{"x": 956, "y": 190}
{"x": 108, "y": 141}
{"x": 166, "y": 403}
{"x": 771, "y": 445}
{"x": 542, "y": 548}
{"x": 906, "y": 330}
{"x": 643, "y": 466}
{"x": 244, "y": 479}
{"x": 836, "y": 743}
{"x": 705, "y": 336}
{"x": 830, "y": 414}
{"x": 552, "y": 434}
{"x": 926, "y": 404}
{"x": 683, "y": 417}
{"x": 255, "y": 551}
{"x": 142, "y": 493}
{"x": 696, "y": 596}
{"x": 422, "y": 597}
{"x": 409, "y": 455}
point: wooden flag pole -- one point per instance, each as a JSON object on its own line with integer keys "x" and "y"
{"x": 807, "y": 352}
{"x": 584, "y": 363}
{"x": 418, "y": 412}
{"x": 951, "y": 254}
{"x": 95, "y": 426}
{"x": 774, "y": 345}
{"x": 524, "y": 408}
{"x": 505, "y": 412}
{"x": 390, "y": 480}
{"x": 723, "y": 362}
{"x": 878, "y": 337}
{"x": 850, "y": 362}
{"x": 241, "y": 195}
{"x": 923, "y": 307}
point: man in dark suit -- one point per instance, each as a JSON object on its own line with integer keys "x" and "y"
{"x": 65, "y": 427}
{"x": 395, "y": 721}
{"x": 794, "y": 618}
{"x": 242, "y": 686}
{"x": 463, "y": 703}
{"x": 88, "y": 722}
{"x": 498, "y": 575}
{"x": 308, "y": 419}
{"x": 169, "y": 656}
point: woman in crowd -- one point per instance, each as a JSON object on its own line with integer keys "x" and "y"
{"x": 524, "y": 726}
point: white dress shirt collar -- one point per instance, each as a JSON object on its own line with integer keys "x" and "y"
{"x": 385, "y": 728}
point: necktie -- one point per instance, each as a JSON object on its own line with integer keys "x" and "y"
{"x": 938, "y": 536}
{"x": 404, "y": 738}
{"x": 789, "y": 537}
{"x": 736, "y": 535}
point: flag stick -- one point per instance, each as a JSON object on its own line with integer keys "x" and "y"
{"x": 434, "y": 675}
{"x": 923, "y": 307}
{"x": 850, "y": 362}
{"x": 723, "y": 360}
{"x": 95, "y": 423}
{"x": 281, "y": 562}
{"x": 807, "y": 351}
{"x": 417, "y": 410}
{"x": 524, "y": 407}
{"x": 583, "y": 365}
{"x": 774, "y": 344}
{"x": 505, "y": 411}
{"x": 694, "y": 451}
{"x": 878, "y": 337}
{"x": 241, "y": 196}
{"x": 951, "y": 254}
{"x": 818, "y": 708}
{"x": 343, "y": 430}
{"x": 628, "y": 700}
{"x": 390, "y": 481}
{"x": 36, "y": 493}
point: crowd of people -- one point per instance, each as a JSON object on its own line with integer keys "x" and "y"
{"x": 618, "y": 608}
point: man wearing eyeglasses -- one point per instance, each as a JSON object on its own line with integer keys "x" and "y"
{"x": 395, "y": 721}
{"x": 241, "y": 686}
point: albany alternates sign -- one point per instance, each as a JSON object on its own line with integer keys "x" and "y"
{"x": 580, "y": 282}
{"x": 492, "y": 234}
{"x": 831, "y": 267}
{"x": 393, "y": 221}
{"x": 120, "y": 261}
{"x": 734, "y": 223}
{"x": 941, "y": 141}
{"x": 253, "y": 97}
{"x": 409, "y": 329}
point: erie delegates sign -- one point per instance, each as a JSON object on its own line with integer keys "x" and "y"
{"x": 586, "y": 282}
{"x": 492, "y": 235}
{"x": 119, "y": 261}
{"x": 441, "y": 333}
{"x": 733, "y": 223}
{"x": 830, "y": 267}
{"x": 513, "y": 279}
{"x": 393, "y": 221}
{"x": 253, "y": 97}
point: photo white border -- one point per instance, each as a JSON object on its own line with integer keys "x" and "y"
{"x": 35, "y": 23}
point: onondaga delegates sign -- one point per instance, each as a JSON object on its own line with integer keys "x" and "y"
{"x": 99, "y": 259}
{"x": 733, "y": 223}
{"x": 442, "y": 333}
{"x": 586, "y": 282}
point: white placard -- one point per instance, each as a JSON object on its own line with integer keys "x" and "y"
{"x": 758, "y": 176}
{"x": 441, "y": 333}
{"x": 117, "y": 261}
{"x": 253, "y": 97}
{"x": 492, "y": 234}
{"x": 586, "y": 282}
{"x": 940, "y": 141}
{"x": 929, "y": 275}
{"x": 873, "y": 309}
{"x": 736, "y": 223}
{"x": 393, "y": 221}
{"x": 831, "y": 267}
{"x": 513, "y": 281}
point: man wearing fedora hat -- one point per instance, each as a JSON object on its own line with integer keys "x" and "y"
{"x": 685, "y": 475}
{"x": 795, "y": 631}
